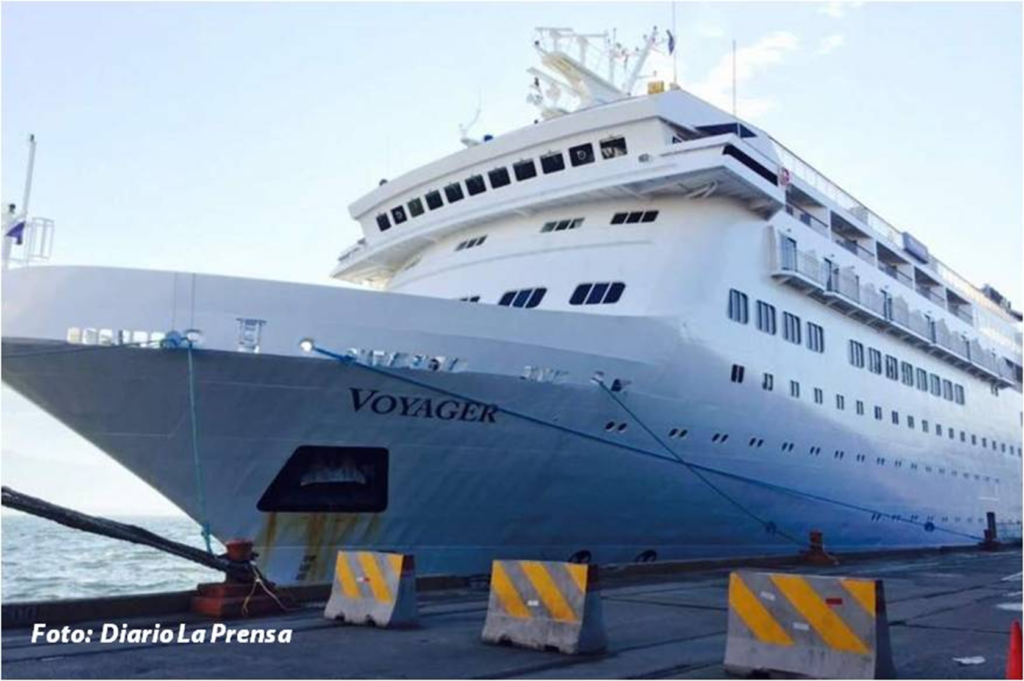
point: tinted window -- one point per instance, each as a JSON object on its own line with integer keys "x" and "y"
{"x": 524, "y": 170}
{"x": 398, "y": 214}
{"x": 765, "y": 317}
{"x": 856, "y": 354}
{"x": 619, "y": 218}
{"x": 499, "y": 177}
{"x": 649, "y": 216}
{"x": 581, "y": 155}
{"x": 738, "y": 306}
{"x": 791, "y": 327}
{"x": 434, "y": 200}
{"x": 475, "y": 185}
{"x": 416, "y": 207}
{"x": 383, "y": 223}
{"x": 552, "y": 163}
{"x": 453, "y": 193}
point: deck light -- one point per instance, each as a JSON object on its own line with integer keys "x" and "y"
{"x": 307, "y": 345}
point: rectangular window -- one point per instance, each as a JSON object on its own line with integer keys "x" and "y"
{"x": 874, "y": 361}
{"x": 910, "y": 422}
{"x": 938, "y": 430}
{"x": 907, "y": 373}
{"x": 737, "y": 373}
{"x": 453, "y": 192}
{"x": 649, "y": 216}
{"x": 765, "y": 317}
{"x": 619, "y": 218}
{"x": 791, "y": 328}
{"x": 840, "y": 402}
{"x": 947, "y": 389}
{"x": 613, "y": 147}
{"x": 815, "y": 337}
{"x": 794, "y": 389}
{"x": 819, "y": 396}
{"x": 895, "y": 418}
{"x": 383, "y": 222}
{"x": 892, "y": 368}
{"x": 922, "y": 379}
{"x": 581, "y": 155}
{"x": 605, "y": 293}
{"x": 856, "y": 354}
{"x": 959, "y": 390}
{"x": 398, "y": 214}
{"x": 878, "y": 413}
{"x": 860, "y": 408}
{"x": 768, "y": 383}
{"x": 530, "y": 297}
{"x": 475, "y": 185}
{"x": 552, "y": 163}
{"x": 738, "y": 311}
{"x": 499, "y": 178}
{"x": 936, "y": 384}
{"x": 434, "y": 200}
{"x": 524, "y": 170}
{"x": 924, "y": 426}
{"x": 416, "y": 207}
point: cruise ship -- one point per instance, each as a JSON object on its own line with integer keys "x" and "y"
{"x": 637, "y": 328}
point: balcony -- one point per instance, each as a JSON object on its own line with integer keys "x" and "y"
{"x": 842, "y": 290}
{"x": 931, "y": 295}
{"x": 855, "y": 248}
{"x": 893, "y": 272}
{"x": 808, "y": 219}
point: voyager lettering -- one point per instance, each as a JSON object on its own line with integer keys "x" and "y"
{"x": 422, "y": 407}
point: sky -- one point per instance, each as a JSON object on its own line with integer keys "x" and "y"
{"x": 230, "y": 138}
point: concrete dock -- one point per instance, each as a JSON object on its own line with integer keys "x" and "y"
{"x": 941, "y": 606}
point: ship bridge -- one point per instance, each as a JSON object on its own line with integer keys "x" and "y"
{"x": 669, "y": 143}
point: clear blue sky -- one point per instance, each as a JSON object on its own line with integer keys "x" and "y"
{"x": 230, "y": 138}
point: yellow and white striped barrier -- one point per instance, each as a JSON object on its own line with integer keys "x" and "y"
{"x": 374, "y": 588}
{"x": 545, "y": 605}
{"x": 819, "y": 627}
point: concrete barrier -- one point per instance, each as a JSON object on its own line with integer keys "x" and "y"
{"x": 819, "y": 627}
{"x": 374, "y": 588}
{"x": 546, "y": 606}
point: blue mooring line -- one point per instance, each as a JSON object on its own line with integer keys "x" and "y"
{"x": 695, "y": 468}
{"x": 195, "y": 452}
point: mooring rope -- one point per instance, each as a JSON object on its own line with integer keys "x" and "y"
{"x": 928, "y": 526}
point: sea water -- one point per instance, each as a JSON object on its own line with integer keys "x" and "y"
{"x": 42, "y": 560}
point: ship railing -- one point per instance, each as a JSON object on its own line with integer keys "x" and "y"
{"x": 846, "y": 283}
{"x": 807, "y": 267}
{"x": 894, "y": 272}
{"x": 931, "y": 295}
{"x": 900, "y": 310}
{"x": 803, "y": 216}
{"x": 873, "y": 300}
{"x": 854, "y": 247}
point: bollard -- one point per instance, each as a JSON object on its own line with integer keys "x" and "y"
{"x": 819, "y": 627}
{"x": 545, "y": 606}
{"x": 375, "y": 588}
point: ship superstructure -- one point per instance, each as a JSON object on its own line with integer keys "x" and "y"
{"x": 638, "y": 329}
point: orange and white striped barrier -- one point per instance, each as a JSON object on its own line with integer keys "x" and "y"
{"x": 545, "y": 605}
{"x": 819, "y": 627}
{"x": 374, "y": 588}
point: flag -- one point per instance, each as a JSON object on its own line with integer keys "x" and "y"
{"x": 671, "y": 42}
{"x": 17, "y": 232}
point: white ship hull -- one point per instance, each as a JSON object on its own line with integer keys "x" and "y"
{"x": 538, "y": 476}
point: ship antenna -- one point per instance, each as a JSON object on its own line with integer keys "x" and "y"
{"x": 28, "y": 173}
